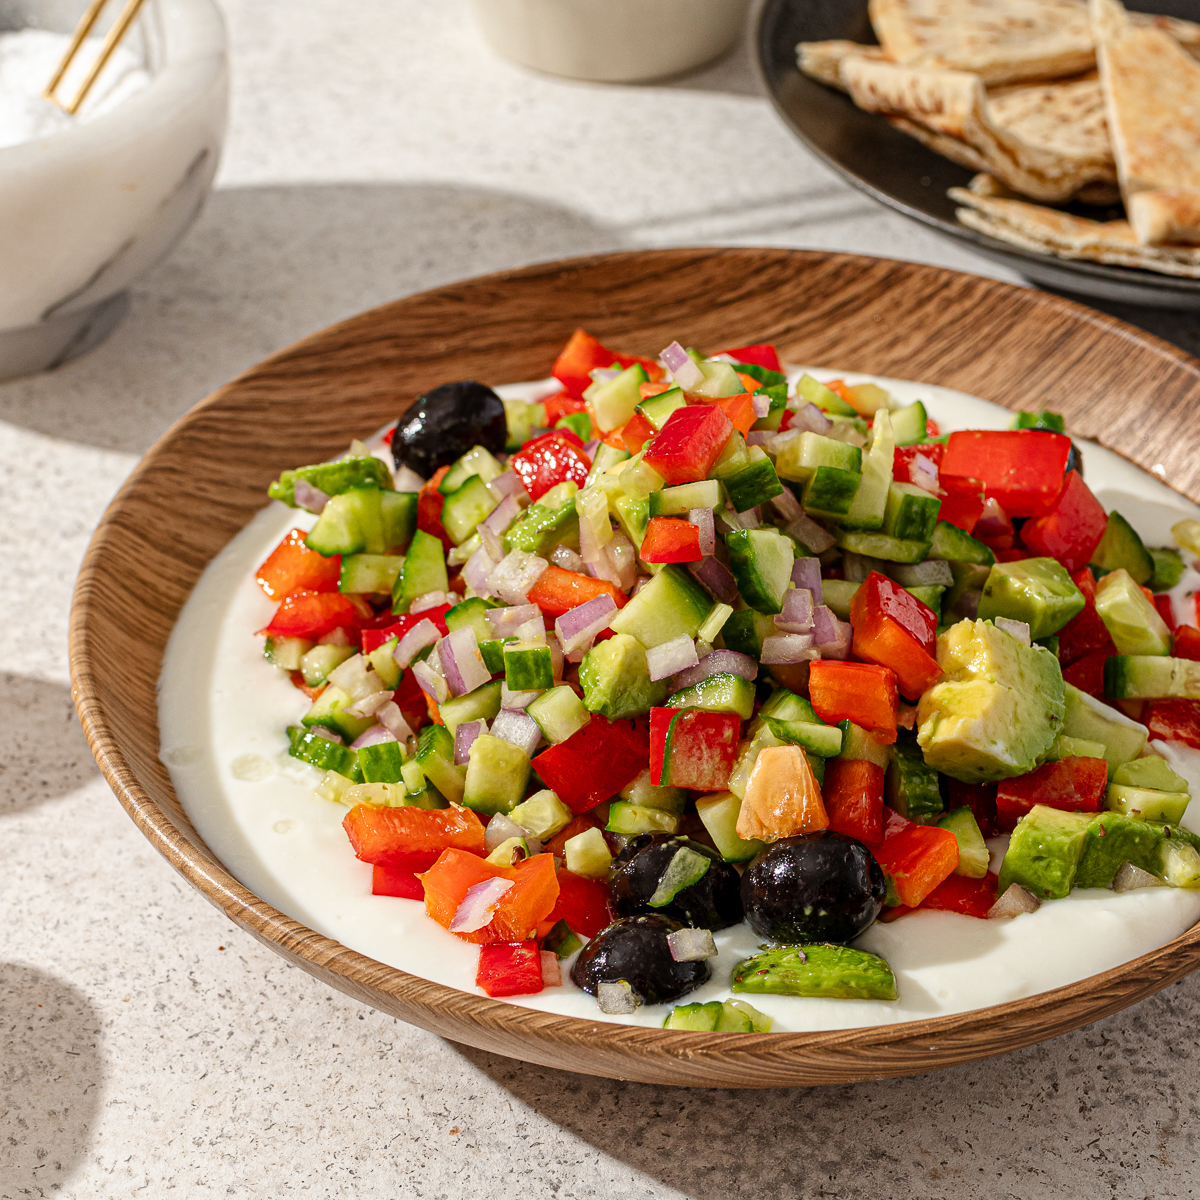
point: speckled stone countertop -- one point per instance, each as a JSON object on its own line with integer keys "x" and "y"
{"x": 147, "y": 1047}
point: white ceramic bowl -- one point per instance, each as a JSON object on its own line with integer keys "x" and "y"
{"x": 85, "y": 212}
{"x": 611, "y": 41}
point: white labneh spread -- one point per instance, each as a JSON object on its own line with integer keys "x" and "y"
{"x": 223, "y": 710}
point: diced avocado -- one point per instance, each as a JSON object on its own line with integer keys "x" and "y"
{"x": 587, "y": 854}
{"x": 718, "y": 693}
{"x": 869, "y": 506}
{"x": 543, "y": 815}
{"x": 1089, "y": 719}
{"x": 1151, "y": 677}
{"x": 1121, "y": 547}
{"x": 1150, "y": 772}
{"x": 671, "y": 605}
{"x": 332, "y": 478}
{"x": 373, "y": 574}
{"x": 911, "y": 513}
{"x": 830, "y": 972}
{"x": 480, "y": 705}
{"x": 316, "y": 663}
{"x": 322, "y": 753}
{"x": 1133, "y": 623}
{"x": 630, "y": 819}
{"x": 881, "y": 545}
{"x": 424, "y": 571}
{"x": 909, "y": 423}
{"x": 381, "y": 762}
{"x": 559, "y": 714}
{"x": 1037, "y": 591}
{"x": 912, "y": 785}
{"x": 329, "y": 711}
{"x": 719, "y": 813}
{"x": 1113, "y": 838}
{"x": 860, "y": 743}
{"x": 1146, "y": 804}
{"x": 1168, "y": 570}
{"x": 951, "y": 544}
{"x": 744, "y": 631}
{"x": 1044, "y": 851}
{"x": 615, "y": 678}
{"x": 997, "y": 710}
{"x": 1069, "y": 747}
{"x": 435, "y": 753}
{"x": 973, "y": 855}
{"x": 540, "y": 528}
{"x": 497, "y": 772}
{"x": 1179, "y": 864}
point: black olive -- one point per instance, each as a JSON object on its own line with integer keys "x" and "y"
{"x": 1074, "y": 460}
{"x": 823, "y": 887}
{"x": 712, "y": 902}
{"x": 445, "y": 423}
{"x": 635, "y": 949}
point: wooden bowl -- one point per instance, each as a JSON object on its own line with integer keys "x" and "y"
{"x": 207, "y": 476}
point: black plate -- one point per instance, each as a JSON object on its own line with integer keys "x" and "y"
{"x": 901, "y": 173}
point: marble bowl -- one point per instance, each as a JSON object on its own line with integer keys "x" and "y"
{"x": 85, "y": 212}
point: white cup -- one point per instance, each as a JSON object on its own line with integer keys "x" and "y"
{"x": 611, "y": 41}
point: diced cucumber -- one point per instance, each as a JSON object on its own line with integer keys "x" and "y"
{"x": 466, "y": 507}
{"x": 953, "y": 545}
{"x": 1037, "y": 591}
{"x": 671, "y": 605}
{"x": 1133, "y": 623}
{"x": 698, "y": 1018}
{"x": 377, "y": 795}
{"x": 633, "y": 515}
{"x": 329, "y": 710}
{"x": 1168, "y": 570}
{"x": 287, "y": 653}
{"x": 1179, "y": 864}
{"x": 801, "y": 457}
{"x": 785, "y": 705}
{"x": 744, "y": 631}
{"x": 830, "y": 492}
{"x": 962, "y": 599}
{"x": 714, "y": 622}
{"x": 827, "y": 971}
{"x": 337, "y": 530}
{"x": 639, "y": 790}
{"x": 824, "y": 741}
{"x": 912, "y": 785}
{"x": 837, "y": 596}
{"x": 739, "y": 1017}
{"x": 424, "y": 571}
{"x": 562, "y": 940}
{"x": 479, "y": 460}
{"x": 1069, "y": 747}
{"x": 911, "y": 513}
{"x": 869, "y": 506}
{"x": 606, "y": 456}
{"x": 637, "y": 479}
{"x": 1150, "y": 772}
{"x": 543, "y": 815}
{"x": 472, "y": 612}
{"x": 615, "y": 677}
{"x": 777, "y": 401}
{"x": 1121, "y": 547}
{"x": 373, "y": 574}
{"x": 718, "y": 693}
{"x": 859, "y": 743}
{"x": 807, "y": 388}
{"x": 332, "y": 478}
{"x": 381, "y": 762}
{"x": 719, "y": 813}
{"x": 630, "y": 819}
{"x": 522, "y": 419}
{"x": 587, "y": 854}
{"x": 720, "y": 380}
{"x": 1089, "y": 719}
{"x": 880, "y": 545}
{"x": 480, "y": 705}
{"x": 322, "y": 753}
{"x": 658, "y": 408}
{"x": 613, "y": 402}
{"x": 1151, "y": 677}
{"x": 909, "y": 423}
{"x": 931, "y": 597}
{"x": 333, "y": 787}
{"x": 413, "y": 776}
{"x": 868, "y": 399}
{"x": 1145, "y": 804}
{"x": 680, "y": 500}
{"x": 559, "y": 713}
{"x": 540, "y": 528}
{"x": 384, "y": 664}
{"x": 497, "y": 773}
{"x": 764, "y": 375}
{"x": 761, "y": 561}
{"x": 973, "y": 856}
{"x": 752, "y": 483}
{"x": 398, "y": 518}
{"x": 1043, "y": 852}
{"x": 528, "y": 667}
{"x": 435, "y": 753}
{"x": 1051, "y": 421}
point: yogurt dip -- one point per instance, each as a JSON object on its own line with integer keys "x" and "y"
{"x": 223, "y": 709}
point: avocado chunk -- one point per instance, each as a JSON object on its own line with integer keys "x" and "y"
{"x": 1044, "y": 851}
{"x": 616, "y": 680}
{"x": 1133, "y": 623}
{"x": 998, "y": 709}
{"x": 1088, "y": 719}
{"x": 1112, "y": 839}
{"x": 1037, "y": 591}
{"x": 831, "y": 972}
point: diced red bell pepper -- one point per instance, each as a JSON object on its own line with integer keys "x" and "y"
{"x": 686, "y": 447}
{"x": 411, "y": 838}
{"x": 853, "y": 794}
{"x": 1087, "y": 673}
{"x": 562, "y": 404}
{"x": 903, "y": 456}
{"x": 429, "y": 509}
{"x": 859, "y": 692}
{"x": 980, "y": 798}
{"x": 396, "y": 881}
{"x": 559, "y": 590}
{"x": 693, "y": 748}
{"x": 582, "y": 903}
{"x": 594, "y": 764}
{"x": 1072, "y": 529}
{"x": 917, "y": 857}
{"x": 646, "y": 390}
{"x": 372, "y": 639}
{"x": 994, "y": 527}
{"x": 1173, "y": 721}
{"x": 312, "y": 615}
{"x": 931, "y": 428}
{"x": 582, "y": 355}
{"x": 762, "y": 354}
{"x": 961, "y": 894}
{"x": 546, "y": 461}
{"x": 671, "y": 540}
{"x": 1186, "y": 643}
{"x": 510, "y": 969}
{"x": 894, "y": 629}
{"x": 1084, "y": 633}
{"x": 739, "y": 409}
{"x": 292, "y": 566}
{"x": 1021, "y": 468}
{"x": 961, "y": 509}
{"x": 1166, "y": 609}
{"x": 1070, "y": 784}
{"x": 529, "y": 901}
{"x": 636, "y": 432}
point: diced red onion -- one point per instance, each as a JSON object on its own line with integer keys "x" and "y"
{"x": 837, "y": 646}
{"x": 716, "y": 578}
{"x": 579, "y": 653}
{"x": 641, "y": 583}
{"x": 337, "y": 637}
{"x": 856, "y": 567}
{"x": 568, "y": 559}
{"x": 750, "y": 519}
{"x": 808, "y": 418}
{"x": 844, "y": 431}
{"x": 518, "y": 728}
{"x": 464, "y": 739}
{"x": 506, "y": 621}
{"x": 786, "y": 505}
{"x": 762, "y": 405}
{"x": 806, "y": 573}
{"x": 405, "y": 479}
{"x": 516, "y": 700}
{"x": 478, "y": 906}
{"x": 924, "y": 473}
{"x": 551, "y": 969}
{"x": 930, "y": 573}
{"x": 797, "y": 615}
{"x": 719, "y": 662}
{"x": 556, "y": 659}
{"x": 512, "y": 578}
{"x": 533, "y": 630}
{"x": 760, "y": 437}
{"x": 499, "y": 828}
{"x": 502, "y": 516}
{"x": 584, "y": 621}
{"x": 993, "y": 521}
{"x": 431, "y": 600}
{"x": 373, "y": 737}
{"x": 788, "y": 648}
{"x": 590, "y": 448}
{"x": 476, "y": 570}
{"x": 825, "y": 625}
{"x": 462, "y": 663}
{"x": 309, "y": 497}
{"x": 617, "y": 998}
{"x": 906, "y": 715}
{"x": 508, "y": 483}
{"x": 804, "y": 529}
{"x": 671, "y": 657}
{"x": 967, "y": 605}
{"x": 1019, "y": 629}
{"x": 619, "y": 563}
{"x": 1015, "y": 901}
{"x": 327, "y": 734}
{"x": 491, "y": 542}
{"x": 683, "y": 370}
{"x": 691, "y": 945}
{"x": 702, "y": 518}
{"x": 423, "y": 633}
{"x": 368, "y": 706}
{"x": 392, "y": 719}
{"x": 1130, "y": 878}
{"x": 430, "y": 682}
{"x": 356, "y": 678}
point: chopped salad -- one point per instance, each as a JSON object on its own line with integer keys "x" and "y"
{"x": 687, "y": 642}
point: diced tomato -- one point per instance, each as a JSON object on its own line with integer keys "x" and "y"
{"x": 559, "y": 590}
{"x": 530, "y": 900}
{"x": 1072, "y": 529}
{"x": 1173, "y": 721}
{"x": 980, "y": 798}
{"x": 1084, "y": 634}
{"x": 396, "y": 881}
{"x": 582, "y": 903}
{"x": 312, "y": 615}
{"x": 693, "y": 748}
{"x": 546, "y": 461}
{"x": 931, "y": 428}
{"x": 1186, "y": 643}
{"x": 636, "y": 432}
{"x": 409, "y": 837}
{"x": 372, "y": 639}
{"x": 292, "y": 566}
{"x": 510, "y": 969}
{"x": 671, "y": 540}
{"x": 579, "y": 824}
{"x": 917, "y": 857}
{"x": 894, "y": 629}
{"x": 859, "y": 692}
{"x": 853, "y": 794}
{"x": 1166, "y": 609}
{"x": 961, "y": 894}
{"x": 1087, "y": 673}
{"x": 1071, "y": 784}
{"x": 762, "y": 354}
{"x": 562, "y": 404}
{"x": 1021, "y": 468}
{"x": 686, "y": 447}
{"x": 594, "y": 764}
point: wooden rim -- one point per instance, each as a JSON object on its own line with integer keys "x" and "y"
{"x": 1009, "y": 344}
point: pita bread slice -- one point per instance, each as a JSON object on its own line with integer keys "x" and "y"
{"x": 1152, "y": 93}
{"x": 953, "y": 104}
{"x": 989, "y": 210}
{"x": 822, "y": 61}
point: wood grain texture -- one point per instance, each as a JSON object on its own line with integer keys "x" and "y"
{"x": 206, "y": 477}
